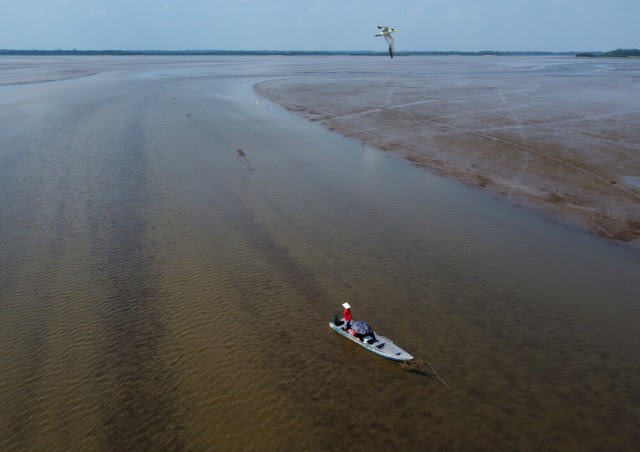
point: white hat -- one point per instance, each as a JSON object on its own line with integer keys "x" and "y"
{"x": 346, "y": 305}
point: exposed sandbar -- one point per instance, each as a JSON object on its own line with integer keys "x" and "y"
{"x": 563, "y": 143}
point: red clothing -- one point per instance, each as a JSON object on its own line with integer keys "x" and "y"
{"x": 347, "y": 315}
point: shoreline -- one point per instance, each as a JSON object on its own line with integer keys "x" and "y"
{"x": 572, "y": 174}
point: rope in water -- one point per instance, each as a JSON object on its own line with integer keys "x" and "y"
{"x": 422, "y": 367}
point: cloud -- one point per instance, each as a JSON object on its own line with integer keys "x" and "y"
{"x": 99, "y": 11}
{"x": 46, "y": 9}
{"x": 316, "y": 7}
{"x": 59, "y": 8}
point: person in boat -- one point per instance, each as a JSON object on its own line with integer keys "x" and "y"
{"x": 347, "y": 316}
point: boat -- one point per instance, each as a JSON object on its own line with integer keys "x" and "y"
{"x": 375, "y": 343}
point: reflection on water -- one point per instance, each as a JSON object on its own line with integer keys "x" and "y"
{"x": 155, "y": 293}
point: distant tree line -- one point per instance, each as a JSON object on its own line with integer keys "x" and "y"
{"x": 618, "y": 53}
{"x": 614, "y": 53}
{"x": 271, "y": 52}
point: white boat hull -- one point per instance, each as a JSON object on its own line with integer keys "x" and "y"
{"x": 382, "y": 346}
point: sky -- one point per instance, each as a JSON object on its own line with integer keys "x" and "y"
{"x": 465, "y": 25}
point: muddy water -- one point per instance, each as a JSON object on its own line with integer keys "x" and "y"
{"x": 156, "y": 293}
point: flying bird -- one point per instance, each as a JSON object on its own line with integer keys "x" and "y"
{"x": 386, "y": 32}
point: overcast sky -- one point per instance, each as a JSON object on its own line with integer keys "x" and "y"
{"x": 552, "y": 25}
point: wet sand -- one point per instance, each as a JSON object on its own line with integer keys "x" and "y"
{"x": 157, "y": 294}
{"x": 558, "y": 135}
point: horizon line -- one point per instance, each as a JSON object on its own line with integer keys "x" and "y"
{"x": 290, "y": 51}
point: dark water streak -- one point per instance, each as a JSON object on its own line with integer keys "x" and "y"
{"x": 138, "y": 409}
{"x": 51, "y": 229}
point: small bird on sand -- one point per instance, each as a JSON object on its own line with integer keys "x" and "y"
{"x": 386, "y": 32}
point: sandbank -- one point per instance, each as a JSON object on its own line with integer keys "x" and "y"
{"x": 561, "y": 142}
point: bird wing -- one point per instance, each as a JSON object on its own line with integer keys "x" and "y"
{"x": 389, "y": 39}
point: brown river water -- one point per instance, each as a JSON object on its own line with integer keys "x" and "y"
{"x": 157, "y": 293}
